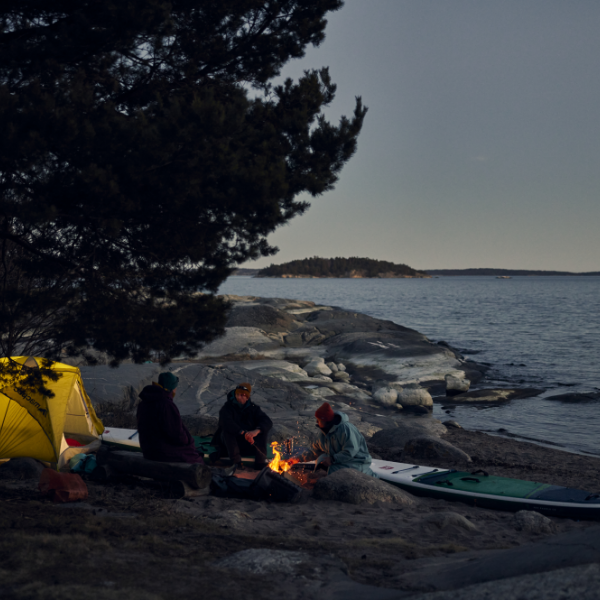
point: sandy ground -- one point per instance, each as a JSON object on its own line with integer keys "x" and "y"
{"x": 127, "y": 540}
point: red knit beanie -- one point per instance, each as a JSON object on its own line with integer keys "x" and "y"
{"x": 325, "y": 412}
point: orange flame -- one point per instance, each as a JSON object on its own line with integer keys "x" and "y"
{"x": 277, "y": 464}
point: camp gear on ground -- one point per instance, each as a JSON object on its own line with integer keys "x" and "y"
{"x": 62, "y": 487}
{"x": 345, "y": 445}
{"x": 267, "y": 485}
{"x": 34, "y": 425}
{"x": 162, "y": 434}
{"x": 168, "y": 381}
{"x": 83, "y": 463}
{"x": 325, "y": 412}
{"x": 487, "y": 491}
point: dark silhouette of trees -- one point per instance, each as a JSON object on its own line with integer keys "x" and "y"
{"x": 144, "y": 153}
{"x": 340, "y": 267}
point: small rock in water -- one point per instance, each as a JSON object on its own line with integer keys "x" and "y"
{"x": 455, "y": 386}
{"x": 452, "y": 424}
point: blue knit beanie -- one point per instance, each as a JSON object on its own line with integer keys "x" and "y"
{"x": 168, "y": 381}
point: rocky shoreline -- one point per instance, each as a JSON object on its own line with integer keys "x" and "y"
{"x": 346, "y": 541}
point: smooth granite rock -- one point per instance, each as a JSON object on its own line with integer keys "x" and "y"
{"x": 431, "y": 448}
{"x": 354, "y": 487}
{"x": 406, "y": 429}
{"x": 261, "y": 316}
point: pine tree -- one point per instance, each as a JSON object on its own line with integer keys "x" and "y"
{"x": 144, "y": 153}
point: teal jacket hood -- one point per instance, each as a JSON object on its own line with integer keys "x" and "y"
{"x": 346, "y": 446}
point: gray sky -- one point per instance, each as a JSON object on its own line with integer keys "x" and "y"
{"x": 481, "y": 147}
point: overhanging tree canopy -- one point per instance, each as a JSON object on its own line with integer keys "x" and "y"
{"x": 144, "y": 153}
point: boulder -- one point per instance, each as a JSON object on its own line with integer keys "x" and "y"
{"x": 317, "y": 366}
{"x": 414, "y": 395}
{"x": 341, "y": 376}
{"x": 386, "y": 396}
{"x": 341, "y": 367}
{"x": 332, "y": 366}
{"x": 452, "y": 424}
{"x": 354, "y": 487}
{"x": 443, "y": 520}
{"x": 322, "y": 378}
{"x": 455, "y": 386}
{"x": 533, "y": 522}
{"x": 405, "y": 430}
{"x": 432, "y": 448}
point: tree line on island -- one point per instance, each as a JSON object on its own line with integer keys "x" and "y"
{"x": 353, "y": 267}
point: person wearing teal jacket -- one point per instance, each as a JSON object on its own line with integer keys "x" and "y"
{"x": 340, "y": 445}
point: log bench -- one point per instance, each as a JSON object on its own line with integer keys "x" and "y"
{"x": 186, "y": 480}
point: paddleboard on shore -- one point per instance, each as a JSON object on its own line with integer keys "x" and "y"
{"x": 121, "y": 439}
{"x": 129, "y": 439}
{"x": 488, "y": 491}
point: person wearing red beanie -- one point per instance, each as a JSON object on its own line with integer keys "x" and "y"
{"x": 339, "y": 445}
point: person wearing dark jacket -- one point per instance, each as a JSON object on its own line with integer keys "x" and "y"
{"x": 243, "y": 428}
{"x": 163, "y": 436}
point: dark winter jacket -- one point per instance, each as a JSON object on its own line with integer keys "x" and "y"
{"x": 235, "y": 419}
{"x": 163, "y": 436}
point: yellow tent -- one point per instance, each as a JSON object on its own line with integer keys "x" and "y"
{"x": 35, "y": 425}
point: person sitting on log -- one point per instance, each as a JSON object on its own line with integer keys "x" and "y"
{"x": 339, "y": 445}
{"x": 163, "y": 436}
{"x": 243, "y": 428}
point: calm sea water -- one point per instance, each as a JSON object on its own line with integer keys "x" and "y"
{"x": 541, "y": 332}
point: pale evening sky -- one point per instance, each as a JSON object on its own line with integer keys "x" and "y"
{"x": 481, "y": 147}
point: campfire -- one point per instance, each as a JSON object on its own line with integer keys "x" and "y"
{"x": 277, "y": 464}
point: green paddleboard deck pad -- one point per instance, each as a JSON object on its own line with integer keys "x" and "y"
{"x": 489, "y": 491}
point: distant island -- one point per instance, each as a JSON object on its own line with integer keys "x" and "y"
{"x": 502, "y": 272}
{"x": 353, "y": 268}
